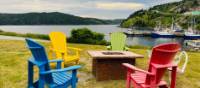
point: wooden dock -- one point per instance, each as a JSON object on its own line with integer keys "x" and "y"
{"x": 145, "y": 34}
{"x": 148, "y": 34}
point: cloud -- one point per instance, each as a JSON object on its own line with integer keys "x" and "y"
{"x": 151, "y": 3}
{"x": 119, "y": 6}
{"x": 106, "y": 9}
{"x": 37, "y": 6}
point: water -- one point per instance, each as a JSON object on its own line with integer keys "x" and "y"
{"x": 148, "y": 41}
{"x": 105, "y": 29}
{"x": 46, "y": 29}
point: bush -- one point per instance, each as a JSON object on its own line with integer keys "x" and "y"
{"x": 86, "y": 36}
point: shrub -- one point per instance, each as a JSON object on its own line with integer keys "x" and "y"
{"x": 86, "y": 36}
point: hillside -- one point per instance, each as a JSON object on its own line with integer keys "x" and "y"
{"x": 164, "y": 13}
{"x": 53, "y": 18}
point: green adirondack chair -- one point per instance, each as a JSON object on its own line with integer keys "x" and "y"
{"x": 118, "y": 42}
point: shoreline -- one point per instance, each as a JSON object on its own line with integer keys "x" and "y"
{"x": 30, "y": 35}
{"x": 4, "y": 37}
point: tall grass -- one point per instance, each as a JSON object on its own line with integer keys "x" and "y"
{"x": 29, "y": 35}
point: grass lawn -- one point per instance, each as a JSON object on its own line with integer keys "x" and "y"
{"x": 13, "y": 67}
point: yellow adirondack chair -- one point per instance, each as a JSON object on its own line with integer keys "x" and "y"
{"x": 59, "y": 47}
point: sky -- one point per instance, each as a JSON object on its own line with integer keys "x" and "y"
{"x": 104, "y": 9}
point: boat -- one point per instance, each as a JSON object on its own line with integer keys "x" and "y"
{"x": 130, "y": 31}
{"x": 190, "y": 33}
{"x": 176, "y": 28}
{"x": 192, "y": 44}
{"x": 162, "y": 33}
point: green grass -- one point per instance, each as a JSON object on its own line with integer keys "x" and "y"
{"x": 13, "y": 67}
{"x": 30, "y": 35}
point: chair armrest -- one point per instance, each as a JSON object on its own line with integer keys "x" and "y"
{"x": 183, "y": 53}
{"x": 129, "y": 66}
{"x": 164, "y": 66}
{"x": 62, "y": 70}
{"x": 77, "y": 49}
{"x": 126, "y": 48}
{"x": 181, "y": 70}
{"x": 108, "y": 47}
{"x": 52, "y": 49}
{"x": 60, "y": 51}
{"x": 58, "y": 60}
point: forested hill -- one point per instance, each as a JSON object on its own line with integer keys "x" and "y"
{"x": 53, "y": 18}
{"x": 164, "y": 13}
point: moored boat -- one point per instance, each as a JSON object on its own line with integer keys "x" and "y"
{"x": 191, "y": 35}
{"x": 162, "y": 34}
{"x": 192, "y": 44}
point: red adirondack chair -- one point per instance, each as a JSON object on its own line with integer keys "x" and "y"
{"x": 160, "y": 60}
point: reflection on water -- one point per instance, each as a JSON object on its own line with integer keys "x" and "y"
{"x": 105, "y": 29}
{"x": 148, "y": 41}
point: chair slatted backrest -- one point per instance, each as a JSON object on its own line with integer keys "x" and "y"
{"x": 162, "y": 54}
{"x": 39, "y": 56}
{"x": 118, "y": 41}
{"x": 59, "y": 43}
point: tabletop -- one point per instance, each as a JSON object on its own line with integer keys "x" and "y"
{"x": 114, "y": 54}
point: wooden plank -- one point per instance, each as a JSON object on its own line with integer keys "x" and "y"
{"x": 110, "y": 69}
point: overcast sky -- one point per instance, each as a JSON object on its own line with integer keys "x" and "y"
{"x": 105, "y": 9}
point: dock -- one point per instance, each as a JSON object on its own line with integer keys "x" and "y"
{"x": 148, "y": 34}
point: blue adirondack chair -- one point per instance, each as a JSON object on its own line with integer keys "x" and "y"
{"x": 57, "y": 78}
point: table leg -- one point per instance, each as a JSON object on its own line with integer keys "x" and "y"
{"x": 94, "y": 62}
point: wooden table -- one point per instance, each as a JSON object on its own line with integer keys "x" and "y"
{"x": 107, "y": 65}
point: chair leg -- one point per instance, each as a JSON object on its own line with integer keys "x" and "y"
{"x": 63, "y": 64}
{"x": 30, "y": 74}
{"x": 41, "y": 82}
{"x": 77, "y": 62}
{"x": 128, "y": 79}
{"x": 74, "y": 78}
{"x": 173, "y": 76}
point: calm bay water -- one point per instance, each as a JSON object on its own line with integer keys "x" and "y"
{"x": 106, "y": 29}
